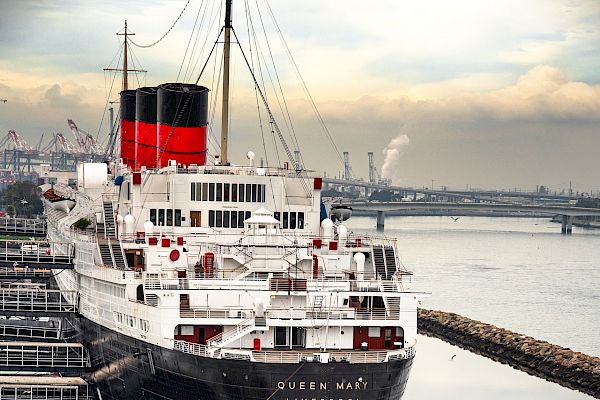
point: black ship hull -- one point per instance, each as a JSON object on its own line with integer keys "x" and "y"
{"x": 126, "y": 368}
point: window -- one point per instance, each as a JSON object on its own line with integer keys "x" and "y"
{"x": 226, "y": 192}
{"x": 211, "y": 192}
{"x": 292, "y": 220}
{"x": 234, "y": 191}
{"x": 241, "y": 219}
{"x": 374, "y": 331}
{"x": 177, "y": 217}
{"x": 285, "y": 220}
{"x": 226, "y": 219}
{"x": 193, "y": 191}
{"x": 286, "y": 336}
{"x": 300, "y": 220}
{"x": 248, "y": 193}
{"x": 248, "y": 214}
{"x": 234, "y": 219}
{"x": 186, "y": 330}
{"x": 204, "y": 191}
{"x": 277, "y": 216}
{"x": 259, "y": 193}
{"x": 280, "y": 336}
{"x": 241, "y": 192}
{"x": 153, "y": 215}
{"x": 219, "y": 192}
{"x": 219, "y": 219}
{"x": 161, "y": 217}
{"x": 254, "y": 193}
{"x": 298, "y": 335}
{"x": 211, "y": 218}
{"x": 169, "y": 217}
{"x": 198, "y": 191}
{"x": 264, "y": 193}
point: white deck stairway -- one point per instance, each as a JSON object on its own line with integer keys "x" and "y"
{"x": 379, "y": 261}
{"x": 240, "y": 330}
{"x": 392, "y": 304}
{"x": 109, "y": 219}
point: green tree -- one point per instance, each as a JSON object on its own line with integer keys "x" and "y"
{"x": 22, "y": 198}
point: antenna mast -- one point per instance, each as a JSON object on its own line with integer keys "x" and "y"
{"x": 125, "y": 85}
{"x": 125, "y": 68}
{"x": 225, "y": 105}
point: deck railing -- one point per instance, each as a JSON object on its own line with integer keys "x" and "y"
{"x": 35, "y": 332}
{"x": 35, "y": 300}
{"x": 304, "y": 355}
{"x": 313, "y": 313}
{"x": 36, "y": 251}
{"x": 44, "y": 392}
{"x": 42, "y": 355}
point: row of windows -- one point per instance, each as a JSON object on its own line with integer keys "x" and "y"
{"x": 291, "y": 220}
{"x": 234, "y": 192}
{"x": 168, "y": 217}
{"x": 227, "y": 219}
{"x": 110, "y": 289}
{"x": 235, "y": 219}
{"x": 375, "y": 331}
{"x": 132, "y": 322}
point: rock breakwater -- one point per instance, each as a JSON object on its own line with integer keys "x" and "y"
{"x": 554, "y": 363}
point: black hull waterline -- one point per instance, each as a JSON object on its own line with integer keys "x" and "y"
{"x": 126, "y": 368}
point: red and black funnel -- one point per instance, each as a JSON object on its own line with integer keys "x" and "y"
{"x": 182, "y": 119}
{"x": 127, "y": 154}
{"x": 145, "y": 121}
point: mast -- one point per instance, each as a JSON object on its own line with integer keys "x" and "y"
{"x": 125, "y": 69}
{"x": 125, "y": 85}
{"x": 225, "y": 105}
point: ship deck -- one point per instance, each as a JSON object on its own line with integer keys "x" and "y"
{"x": 293, "y": 356}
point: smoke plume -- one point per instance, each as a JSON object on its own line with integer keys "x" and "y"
{"x": 392, "y": 153}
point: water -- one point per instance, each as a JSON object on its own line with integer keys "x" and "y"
{"x": 519, "y": 274}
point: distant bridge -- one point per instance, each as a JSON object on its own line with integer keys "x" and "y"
{"x": 450, "y": 195}
{"x": 381, "y": 208}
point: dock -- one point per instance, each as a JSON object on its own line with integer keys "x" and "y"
{"x": 568, "y": 368}
{"x": 41, "y": 357}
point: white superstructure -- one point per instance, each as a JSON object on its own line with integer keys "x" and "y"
{"x": 231, "y": 261}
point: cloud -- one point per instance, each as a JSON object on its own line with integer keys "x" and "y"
{"x": 539, "y": 130}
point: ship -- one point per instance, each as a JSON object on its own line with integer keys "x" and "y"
{"x": 199, "y": 280}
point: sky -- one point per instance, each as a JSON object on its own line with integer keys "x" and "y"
{"x": 469, "y": 92}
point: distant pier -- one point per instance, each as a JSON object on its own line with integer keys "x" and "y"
{"x": 574, "y": 370}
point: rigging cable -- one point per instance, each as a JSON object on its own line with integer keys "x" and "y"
{"x": 305, "y": 87}
{"x": 109, "y": 91}
{"x": 212, "y": 21}
{"x": 272, "y": 117}
{"x": 166, "y": 33}
{"x": 287, "y": 120}
{"x": 260, "y": 123}
{"x": 262, "y": 79}
{"x": 192, "y": 64}
{"x": 190, "y": 41}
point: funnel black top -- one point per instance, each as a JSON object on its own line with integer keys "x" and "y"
{"x": 128, "y": 105}
{"x": 182, "y": 104}
{"x": 146, "y": 104}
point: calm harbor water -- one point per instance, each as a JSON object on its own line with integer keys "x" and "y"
{"x": 520, "y": 274}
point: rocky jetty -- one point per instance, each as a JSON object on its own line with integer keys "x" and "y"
{"x": 557, "y": 364}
